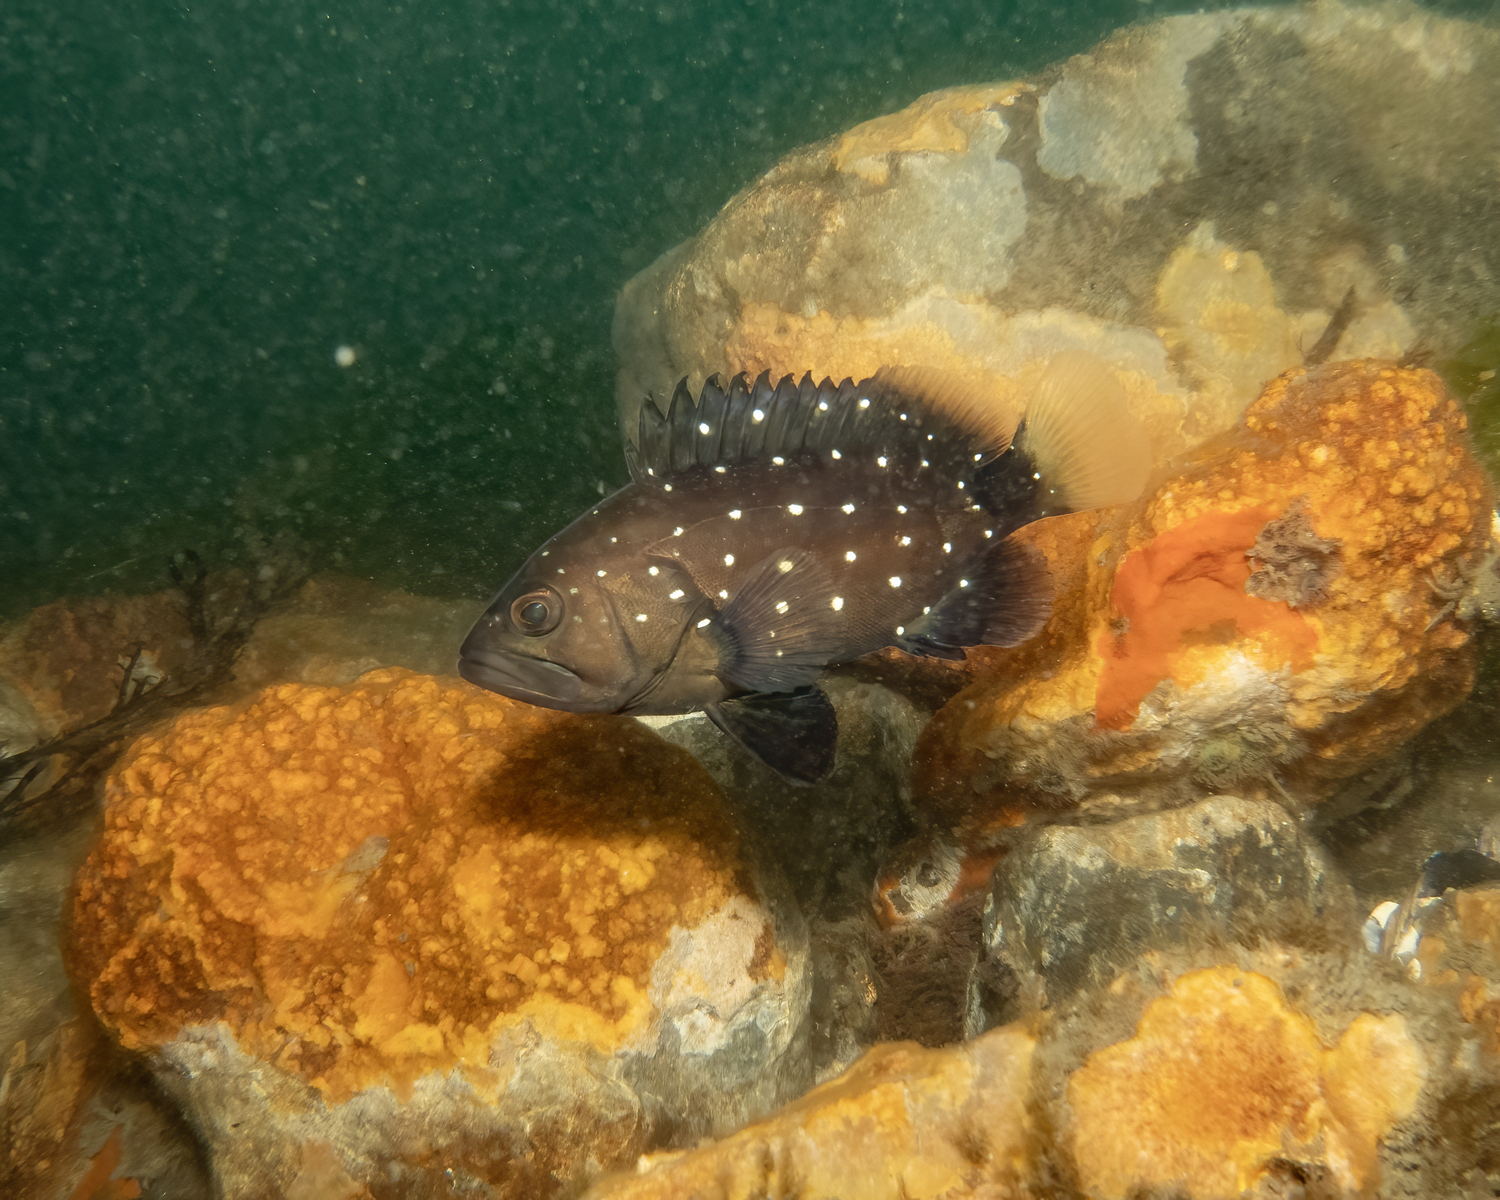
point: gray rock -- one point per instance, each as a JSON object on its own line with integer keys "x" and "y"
{"x": 1267, "y": 159}
{"x": 829, "y": 838}
{"x": 1071, "y": 907}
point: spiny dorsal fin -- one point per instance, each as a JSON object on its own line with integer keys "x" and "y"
{"x": 986, "y": 419}
{"x": 1088, "y": 449}
{"x": 936, "y": 420}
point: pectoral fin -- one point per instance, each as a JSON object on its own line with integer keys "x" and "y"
{"x": 793, "y": 733}
{"x": 777, "y": 632}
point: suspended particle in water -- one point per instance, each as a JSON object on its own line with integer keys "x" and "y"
{"x": 344, "y": 356}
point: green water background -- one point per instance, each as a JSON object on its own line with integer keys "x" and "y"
{"x": 200, "y": 203}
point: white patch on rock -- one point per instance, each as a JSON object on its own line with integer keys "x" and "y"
{"x": 1119, "y": 118}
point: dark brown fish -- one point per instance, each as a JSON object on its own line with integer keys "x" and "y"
{"x": 773, "y": 530}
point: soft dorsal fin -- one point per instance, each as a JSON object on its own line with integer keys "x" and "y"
{"x": 917, "y": 417}
{"x": 1086, "y": 446}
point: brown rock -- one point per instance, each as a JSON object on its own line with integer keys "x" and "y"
{"x": 460, "y": 932}
{"x": 1199, "y": 641}
{"x": 1224, "y": 1081}
{"x": 903, "y": 1122}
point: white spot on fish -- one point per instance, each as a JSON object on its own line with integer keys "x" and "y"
{"x": 734, "y": 514}
{"x": 895, "y": 581}
{"x": 794, "y": 509}
{"x": 989, "y": 533}
{"x": 601, "y": 574}
{"x": 837, "y": 603}
{"x": 900, "y": 508}
{"x": 784, "y": 565}
{"x": 848, "y": 508}
{"x": 729, "y": 560}
{"x": 703, "y": 428}
{"x": 926, "y": 610}
{"x": 758, "y": 415}
{"x": 1036, "y": 474}
{"x": 963, "y": 583}
{"x": 649, "y": 570}
{"x": 677, "y": 595}
{"x": 960, "y": 485}
{"x": 666, "y": 487}
{"x": 850, "y": 556}
{"x": 677, "y": 532}
{"x": 782, "y": 607}
{"x": 779, "y": 461}
{"x": 864, "y": 403}
{"x": 925, "y": 463}
{"x": 822, "y": 405}
{"x": 640, "y": 616}
{"x": 723, "y": 595}
{"x": 705, "y": 621}
{"x": 900, "y": 629}
{"x": 572, "y": 591}
{"x": 720, "y": 470}
{"x": 881, "y": 460}
{"x": 560, "y": 571}
{"x": 947, "y": 547}
{"x": 906, "y": 541}
{"x": 545, "y": 553}
{"x": 836, "y": 454}
{"x": 978, "y": 457}
{"x": 613, "y": 540}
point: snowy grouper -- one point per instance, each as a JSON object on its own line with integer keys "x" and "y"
{"x": 773, "y": 530}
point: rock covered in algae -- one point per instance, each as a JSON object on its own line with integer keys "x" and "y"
{"x": 1178, "y": 1078}
{"x": 1193, "y": 201}
{"x": 903, "y": 1123}
{"x": 1271, "y": 617}
{"x": 1225, "y": 1086}
{"x": 1070, "y": 907}
{"x": 412, "y": 932}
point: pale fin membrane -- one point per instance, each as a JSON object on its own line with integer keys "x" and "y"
{"x": 1088, "y": 449}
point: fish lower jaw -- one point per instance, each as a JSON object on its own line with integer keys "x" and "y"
{"x": 531, "y": 680}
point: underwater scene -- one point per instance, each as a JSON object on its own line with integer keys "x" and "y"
{"x": 654, "y": 601}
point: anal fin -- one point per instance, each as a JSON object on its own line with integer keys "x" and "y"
{"x": 1004, "y": 601}
{"x": 793, "y": 733}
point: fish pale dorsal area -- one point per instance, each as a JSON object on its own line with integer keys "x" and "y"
{"x": 774, "y": 529}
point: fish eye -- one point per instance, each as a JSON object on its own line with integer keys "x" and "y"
{"x": 537, "y": 612}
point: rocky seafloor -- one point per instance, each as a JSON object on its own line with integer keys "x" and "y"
{"x": 1195, "y": 894}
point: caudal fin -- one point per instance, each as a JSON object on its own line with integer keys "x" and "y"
{"x": 1087, "y": 448}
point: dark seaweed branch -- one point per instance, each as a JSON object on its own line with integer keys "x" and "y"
{"x": 77, "y": 758}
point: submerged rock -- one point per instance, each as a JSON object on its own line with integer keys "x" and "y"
{"x": 437, "y": 936}
{"x": 1226, "y": 1086}
{"x": 1193, "y": 200}
{"x": 1072, "y": 907}
{"x": 903, "y": 1123}
{"x": 1272, "y": 617}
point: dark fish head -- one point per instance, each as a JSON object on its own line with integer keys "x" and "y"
{"x": 576, "y": 628}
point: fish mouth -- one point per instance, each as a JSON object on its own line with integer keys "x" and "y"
{"x": 534, "y": 680}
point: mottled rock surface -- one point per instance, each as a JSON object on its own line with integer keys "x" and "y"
{"x": 1226, "y": 1086}
{"x": 1074, "y": 906}
{"x": 1166, "y": 670}
{"x": 439, "y": 930}
{"x": 1192, "y": 200}
{"x": 903, "y": 1123}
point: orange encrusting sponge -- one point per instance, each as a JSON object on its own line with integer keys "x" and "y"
{"x": 1186, "y": 588}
